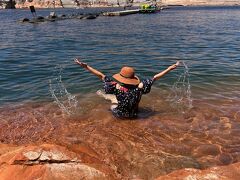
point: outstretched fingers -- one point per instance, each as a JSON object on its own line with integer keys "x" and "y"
{"x": 174, "y": 66}
{"x": 82, "y": 64}
{"x": 77, "y": 60}
{"x": 177, "y": 63}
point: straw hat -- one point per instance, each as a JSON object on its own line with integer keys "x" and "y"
{"x": 127, "y": 76}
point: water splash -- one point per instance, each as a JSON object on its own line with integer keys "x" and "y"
{"x": 65, "y": 100}
{"x": 180, "y": 96}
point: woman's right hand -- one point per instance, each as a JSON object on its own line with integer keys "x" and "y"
{"x": 82, "y": 64}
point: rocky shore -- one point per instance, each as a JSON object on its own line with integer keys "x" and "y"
{"x": 39, "y": 4}
{"x": 109, "y": 3}
{"x": 202, "y": 2}
{"x": 76, "y": 3}
{"x": 39, "y": 140}
{"x": 49, "y": 161}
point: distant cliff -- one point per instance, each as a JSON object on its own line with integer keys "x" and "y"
{"x": 38, "y": 3}
{"x": 75, "y": 3}
{"x": 10, "y": 4}
{"x": 201, "y": 2}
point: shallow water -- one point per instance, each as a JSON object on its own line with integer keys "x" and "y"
{"x": 37, "y": 63}
{"x": 161, "y": 140}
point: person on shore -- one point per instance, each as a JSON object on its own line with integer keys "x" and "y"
{"x": 125, "y": 89}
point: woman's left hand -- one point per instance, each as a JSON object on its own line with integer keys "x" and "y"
{"x": 174, "y": 65}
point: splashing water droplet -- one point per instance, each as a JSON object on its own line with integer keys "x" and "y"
{"x": 65, "y": 100}
{"x": 180, "y": 95}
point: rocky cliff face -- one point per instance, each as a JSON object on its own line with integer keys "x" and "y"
{"x": 38, "y": 3}
{"x": 75, "y": 3}
{"x": 7, "y": 4}
{"x": 201, "y": 2}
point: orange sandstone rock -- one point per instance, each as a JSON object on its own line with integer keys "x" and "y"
{"x": 46, "y": 162}
{"x": 230, "y": 172}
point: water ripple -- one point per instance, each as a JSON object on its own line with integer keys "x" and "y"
{"x": 206, "y": 39}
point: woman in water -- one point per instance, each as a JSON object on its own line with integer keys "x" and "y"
{"x": 125, "y": 89}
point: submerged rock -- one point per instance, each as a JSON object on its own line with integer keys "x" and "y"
{"x": 24, "y": 20}
{"x": 91, "y": 17}
{"x": 207, "y": 149}
{"x": 37, "y": 19}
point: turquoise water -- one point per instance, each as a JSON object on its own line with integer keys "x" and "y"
{"x": 206, "y": 39}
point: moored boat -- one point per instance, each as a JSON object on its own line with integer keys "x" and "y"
{"x": 148, "y": 8}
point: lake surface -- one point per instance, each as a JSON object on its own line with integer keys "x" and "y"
{"x": 191, "y": 118}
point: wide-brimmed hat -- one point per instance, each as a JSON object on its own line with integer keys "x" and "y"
{"x": 127, "y": 76}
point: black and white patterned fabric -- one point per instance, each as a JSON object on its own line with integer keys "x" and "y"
{"x": 128, "y": 96}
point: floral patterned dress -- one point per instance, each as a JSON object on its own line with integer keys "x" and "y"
{"x": 128, "y": 96}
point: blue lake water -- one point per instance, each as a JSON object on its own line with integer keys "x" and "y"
{"x": 206, "y": 39}
{"x": 191, "y": 118}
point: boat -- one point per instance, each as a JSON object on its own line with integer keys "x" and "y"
{"x": 148, "y": 8}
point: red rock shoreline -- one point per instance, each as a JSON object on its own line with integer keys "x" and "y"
{"x": 151, "y": 147}
{"x": 49, "y": 161}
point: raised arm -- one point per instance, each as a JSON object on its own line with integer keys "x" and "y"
{"x": 161, "y": 74}
{"x": 90, "y": 69}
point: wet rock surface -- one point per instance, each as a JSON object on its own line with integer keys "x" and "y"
{"x": 230, "y": 172}
{"x": 48, "y": 162}
{"x": 53, "y": 18}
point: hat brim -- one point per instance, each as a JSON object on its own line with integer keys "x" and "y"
{"x": 131, "y": 81}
